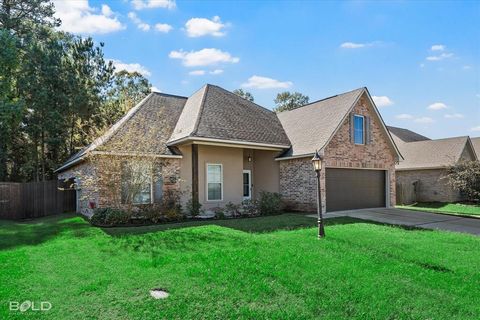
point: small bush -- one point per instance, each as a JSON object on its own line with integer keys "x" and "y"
{"x": 269, "y": 203}
{"x": 250, "y": 208}
{"x": 465, "y": 177}
{"x": 173, "y": 214}
{"x": 194, "y": 208}
{"x": 219, "y": 213}
{"x": 232, "y": 210}
{"x": 109, "y": 217}
{"x": 152, "y": 213}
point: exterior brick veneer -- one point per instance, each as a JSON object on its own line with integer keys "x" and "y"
{"x": 100, "y": 179}
{"x": 431, "y": 187}
{"x": 298, "y": 180}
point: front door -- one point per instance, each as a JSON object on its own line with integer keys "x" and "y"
{"x": 247, "y": 184}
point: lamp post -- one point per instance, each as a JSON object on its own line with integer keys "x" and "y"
{"x": 317, "y": 166}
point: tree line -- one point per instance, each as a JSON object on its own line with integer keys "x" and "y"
{"x": 57, "y": 91}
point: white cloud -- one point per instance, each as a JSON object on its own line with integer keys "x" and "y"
{"x": 197, "y": 73}
{"x": 438, "y": 47}
{"x": 265, "y": 83}
{"x": 155, "y": 89}
{"x": 382, "y": 101}
{"x": 106, "y": 11}
{"x": 454, "y": 116}
{"x": 198, "y": 27}
{"x": 404, "y": 116}
{"x": 358, "y": 45}
{"x": 163, "y": 27}
{"x": 78, "y": 17}
{"x": 441, "y": 56}
{"x": 437, "y": 106}
{"x": 136, "y": 20}
{"x": 424, "y": 120}
{"x": 150, "y": 4}
{"x": 204, "y": 57}
{"x": 216, "y": 71}
{"x": 467, "y": 67}
{"x": 477, "y": 128}
{"x": 130, "y": 67}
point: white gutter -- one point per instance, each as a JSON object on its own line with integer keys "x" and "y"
{"x": 227, "y": 142}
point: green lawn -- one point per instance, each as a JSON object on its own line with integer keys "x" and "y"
{"x": 442, "y": 207}
{"x": 269, "y": 267}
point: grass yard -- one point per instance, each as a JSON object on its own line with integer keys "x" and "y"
{"x": 442, "y": 207}
{"x": 268, "y": 267}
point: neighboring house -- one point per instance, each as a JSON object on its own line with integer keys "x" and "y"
{"x": 215, "y": 147}
{"x": 421, "y": 176}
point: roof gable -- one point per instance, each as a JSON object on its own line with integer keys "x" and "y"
{"x": 216, "y": 113}
{"x": 152, "y": 119}
{"x": 312, "y": 126}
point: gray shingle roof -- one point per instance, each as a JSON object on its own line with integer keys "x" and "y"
{"x": 406, "y": 135}
{"x": 213, "y": 112}
{"x": 476, "y": 145}
{"x": 311, "y": 126}
{"x": 152, "y": 120}
{"x": 431, "y": 153}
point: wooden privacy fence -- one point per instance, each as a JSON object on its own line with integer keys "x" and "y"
{"x": 35, "y": 199}
{"x": 407, "y": 192}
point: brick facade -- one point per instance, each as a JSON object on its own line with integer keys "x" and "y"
{"x": 431, "y": 185}
{"x": 99, "y": 179}
{"x": 297, "y": 178}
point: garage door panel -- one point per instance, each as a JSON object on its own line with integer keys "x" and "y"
{"x": 354, "y": 189}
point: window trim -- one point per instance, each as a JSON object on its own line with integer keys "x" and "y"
{"x": 250, "y": 184}
{"x": 363, "y": 131}
{"x": 206, "y": 182}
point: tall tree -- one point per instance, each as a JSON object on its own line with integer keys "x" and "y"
{"x": 128, "y": 89}
{"x": 288, "y": 101}
{"x": 244, "y": 94}
{"x": 23, "y": 16}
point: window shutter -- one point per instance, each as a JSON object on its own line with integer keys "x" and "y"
{"x": 368, "y": 130}
{"x": 158, "y": 187}
{"x": 352, "y": 133}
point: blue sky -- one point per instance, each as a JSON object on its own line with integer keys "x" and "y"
{"x": 421, "y": 60}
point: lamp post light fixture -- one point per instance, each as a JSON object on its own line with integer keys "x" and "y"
{"x": 317, "y": 166}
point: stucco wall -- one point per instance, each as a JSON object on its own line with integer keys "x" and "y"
{"x": 264, "y": 169}
{"x": 232, "y": 162}
{"x": 432, "y": 185}
{"x": 297, "y": 178}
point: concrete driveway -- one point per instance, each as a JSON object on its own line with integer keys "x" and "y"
{"x": 413, "y": 218}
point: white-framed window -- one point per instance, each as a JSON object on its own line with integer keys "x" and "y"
{"x": 137, "y": 186}
{"x": 214, "y": 182}
{"x": 358, "y": 129}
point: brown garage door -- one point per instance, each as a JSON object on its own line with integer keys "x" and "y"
{"x": 355, "y": 189}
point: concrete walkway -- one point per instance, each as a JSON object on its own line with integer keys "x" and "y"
{"x": 413, "y": 218}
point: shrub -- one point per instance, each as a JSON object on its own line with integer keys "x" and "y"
{"x": 465, "y": 177}
{"x": 219, "y": 213}
{"x": 194, "y": 208}
{"x": 232, "y": 210}
{"x": 109, "y": 217}
{"x": 173, "y": 214}
{"x": 269, "y": 203}
{"x": 152, "y": 213}
{"x": 250, "y": 208}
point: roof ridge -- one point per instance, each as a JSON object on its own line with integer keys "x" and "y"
{"x": 252, "y": 102}
{"x": 200, "y": 110}
{"x": 169, "y": 95}
{"x": 327, "y": 98}
{"x": 441, "y": 139}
